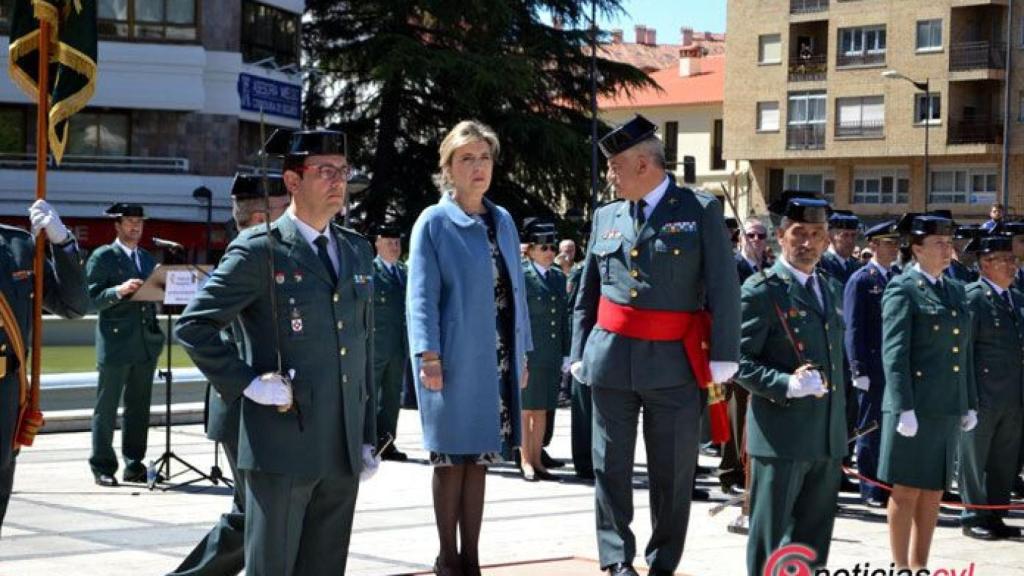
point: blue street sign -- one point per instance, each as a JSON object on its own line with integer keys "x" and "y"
{"x": 273, "y": 97}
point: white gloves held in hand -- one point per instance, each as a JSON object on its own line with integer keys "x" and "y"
{"x": 806, "y": 383}
{"x": 371, "y": 462}
{"x": 271, "y": 389}
{"x": 969, "y": 421}
{"x": 44, "y": 217}
{"x": 862, "y": 383}
{"x": 908, "y": 424}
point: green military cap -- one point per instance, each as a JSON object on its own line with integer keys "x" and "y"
{"x": 250, "y": 186}
{"x": 804, "y": 207}
{"x": 626, "y": 136}
{"x": 986, "y": 244}
{"x": 122, "y": 209}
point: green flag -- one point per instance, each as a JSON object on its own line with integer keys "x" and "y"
{"x": 72, "y": 58}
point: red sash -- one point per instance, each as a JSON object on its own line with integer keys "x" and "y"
{"x": 692, "y": 328}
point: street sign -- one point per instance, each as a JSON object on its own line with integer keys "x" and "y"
{"x": 270, "y": 96}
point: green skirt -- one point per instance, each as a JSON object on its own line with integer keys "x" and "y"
{"x": 541, "y": 392}
{"x": 924, "y": 461}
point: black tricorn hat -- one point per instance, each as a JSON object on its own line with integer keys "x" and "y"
{"x": 843, "y": 220}
{"x": 121, "y": 209}
{"x": 626, "y": 136}
{"x": 250, "y": 186}
{"x": 539, "y": 231}
{"x": 885, "y": 229}
{"x": 968, "y": 231}
{"x": 915, "y": 224}
{"x": 302, "y": 143}
{"x": 805, "y": 207}
{"x": 1008, "y": 228}
{"x": 387, "y": 230}
{"x": 986, "y": 244}
{"x": 732, "y": 224}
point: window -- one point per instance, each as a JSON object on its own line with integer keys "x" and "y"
{"x": 964, "y": 186}
{"x": 767, "y": 116}
{"x": 13, "y": 129}
{"x": 269, "y": 32}
{"x": 100, "y": 133}
{"x": 861, "y": 46}
{"x": 769, "y": 49}
{"x": 817, "y": 181}
{"x": 929, "y": 35}
{"x": 147, "y": 19}
{"x": 806, "y": 123}
{"x": 881, "y": 186}
{"x": 928, "y": 108}
{"x": 860, "y": 117}
{"x": 717, "y": 161}
{"x": 671, "y": 142}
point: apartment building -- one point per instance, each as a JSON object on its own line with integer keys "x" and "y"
{"x": 843, "y": 97}
{"x": 177, "y": 108}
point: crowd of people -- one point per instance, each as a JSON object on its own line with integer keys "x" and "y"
{"x": 910, "y": 348}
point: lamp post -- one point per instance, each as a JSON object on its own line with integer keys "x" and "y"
{"x": 593, "y": 107}
{"x": 926, "y": 88}
{"x": 204, "y": 193}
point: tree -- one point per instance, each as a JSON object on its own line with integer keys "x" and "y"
{"x": 396, "y": 75}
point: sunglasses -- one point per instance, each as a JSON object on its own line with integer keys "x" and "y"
{"x": 547, "y": 247}
{"x": 756, "y": 235}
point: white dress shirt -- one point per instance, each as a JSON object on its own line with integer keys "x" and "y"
{"x": 311, "y": 234}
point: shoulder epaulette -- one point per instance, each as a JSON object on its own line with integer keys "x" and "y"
{"x": 349, "y": 232}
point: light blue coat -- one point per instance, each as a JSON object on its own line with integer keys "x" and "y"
{"x": 450, "y": 310}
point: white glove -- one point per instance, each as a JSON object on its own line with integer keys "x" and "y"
{"x": 370, "y": 463}
{"x": 805, "y": 383}
{"x": 908, "y": 424}
{"x": 969, "y": 421}
{"x": 566, "y": 364}
{"x": 722, "y": 371}
{"x": 576, "y": 369}
{"x": 271, "y": 389}
{"x": 862, "y": 383}
{"x": 44, "y": 217}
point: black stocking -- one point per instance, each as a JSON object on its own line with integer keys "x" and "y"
{"x": 473, "y": 485}
{"x": 447, "y": 488}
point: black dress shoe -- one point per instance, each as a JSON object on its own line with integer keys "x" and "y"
{"x": 1004, "y": 531}
{"x": 545, "y": 475}
{"x": 585, "y": 474}
{"x": 394, "y": 454}
{"x": 620, "y": 569}
{"x": 548, "y": 461}
{"x": 847, "y": 486}
{"x": 948, "y": 496}
{"x": 106, "y": 480}
{"x": 653, "y": 572}
{"x": 1018, "y": 487}
{"x": 134, "y": 474}
{"x": 979, "y": 532}
{"x": 700, "y": 495}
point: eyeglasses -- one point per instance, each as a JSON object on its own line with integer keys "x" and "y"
{"x": 756, "y": 235}
{"x": 328, "y": 172}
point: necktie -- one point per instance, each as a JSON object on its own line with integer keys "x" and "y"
{"x": 135, "y": 261}
{"x": 325, "y": 259}
{"x": 811, "y": 282}
{"x": 641, "y": 218}
{"x": 1006, "y": 298}
{"x": 396, "y": 274}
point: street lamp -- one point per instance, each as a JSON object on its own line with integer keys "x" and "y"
{"x": 204, "y": 193}
{"x": 924, "y": 87}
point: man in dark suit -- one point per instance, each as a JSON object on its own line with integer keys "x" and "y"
{"x": 751, "y": 256}
{"x": 308, "y": 422}
{"x": 838, "y": 260}
{"x": 390, "y": 345}
{"x": 63, "y": 294}
{"x": 128, "y": 343}
{"x": 221, "y": 551}
{"x": 656, "y": 323}
{"x": 862, "y": 312}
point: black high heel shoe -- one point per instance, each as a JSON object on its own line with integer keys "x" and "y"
{"x": 446, "y": 570}
{"x": 470, "y": 568}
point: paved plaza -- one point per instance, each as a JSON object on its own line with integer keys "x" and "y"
{"x": 61, "y": 524}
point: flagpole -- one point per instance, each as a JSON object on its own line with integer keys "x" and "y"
{"x": 42, "y": 106}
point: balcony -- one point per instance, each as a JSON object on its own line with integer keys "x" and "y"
{"x": 982, "y": 55}
{"x": 812, "y": 68}
{"x": 976, "y": 132}
{"x": 100, "y": 163}
{"x": 805, "y": 137}
{"x": 863, "y": 129}
{"x": 807, "y": 6}
{"x": 860, "y": 59}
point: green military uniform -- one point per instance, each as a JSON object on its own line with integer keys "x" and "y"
{"x": 926, "y": 355}
{"x": 302, "y": 481}
{"x": 63, "y": 293}
{"x": 582, "y": 411}
{"x": 795, "y": 444}
{"x": 679, "y": 261}
{"x": 549, "y": 324}
{"x": 390, "y": 344}
{"x": 989, "y": 452}
{"x": 128, "y": 344}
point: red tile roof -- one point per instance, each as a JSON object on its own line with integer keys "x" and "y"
{"x": 656, "y": 57}
{"x": 708, "y": 87}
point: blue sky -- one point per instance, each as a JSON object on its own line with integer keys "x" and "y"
{"x": 668, "y": 16}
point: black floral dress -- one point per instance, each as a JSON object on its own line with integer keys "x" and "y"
{"x": 506, "y": 332}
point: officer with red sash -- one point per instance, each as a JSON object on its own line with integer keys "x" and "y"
{"x": 656, "y": 323}
{"x": 791, "y": 361}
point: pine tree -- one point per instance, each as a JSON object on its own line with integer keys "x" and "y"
{"x": 398, "y": 74}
